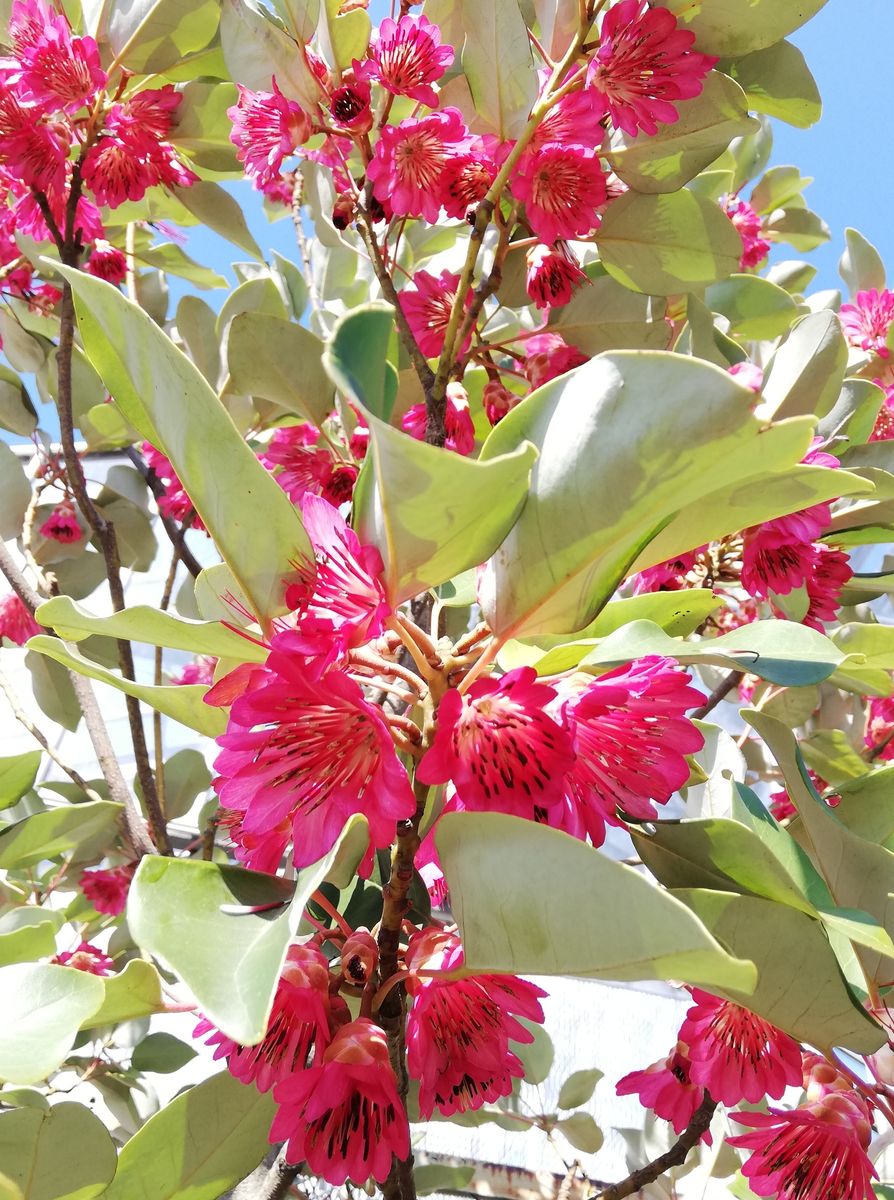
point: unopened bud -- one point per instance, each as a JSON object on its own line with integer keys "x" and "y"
{"x": 359, "y": 957}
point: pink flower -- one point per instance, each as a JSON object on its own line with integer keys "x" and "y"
{"x": 16, "y": 623}
{"x": 349, "y": 105}
{"x": 577, "y": 118}
{"x": 755, "y": 246}
{"x": 86, "y": 957}
{"x": 883, "y": 430}
{"x": 831, "y": 571}
{"x": 34, "y": 153}
{"x": 816, "y": 1152}
{"x": 458, "y": 420}
{"x": 340, "y": 601}
{"x": 867, "y": 321}
{"x": 643, "y": 65}
{"x": 737, "y": 1055}
{"x": 429, "y": 867}
{"x": 562, "y": 186}
{"x": 107, "y": 889}
{"x": 199, "y": 671}
{"x": 748, "y": 374}
{"x": 880, "y": 726}
{"x": 459, "y": 1030}
{"x": 669, "y": 576}
{"x": 467, "y": 177}
{"x": 427, "y": 304}
{"x": 548, "y": 356}
{"x": 781, "y": 806}
{"x": 553, "y": 274}
{"x": 407, "y": 170}
{"x": 667, "y": 1089}
{"x": 343, "y": 1115}
{"x": 498, "y": 401}
{"x": 107, "y": 262}
{"x": 498, "y": 745}
{"x": 631, "y": 735}
{"x": 56, "y": 70}
{"x": 298, "y": 1023}
{"x": 406, "y": 57}
{"x": 773, "y": 563}
{"x": 62, "y": 524}
{"x": 311, "y": 750}
{"x": 266, "y": 129}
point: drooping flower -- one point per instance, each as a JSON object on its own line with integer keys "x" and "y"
{"x": 644, "y": 64}
{"x": 547, "y": 356}
{"x": 883, "y": 430}
{"x": 576, "y": 118}
{"x": 305, "y": 466}
{"x": 107, "y": 889}
{"x": 867, "y": 322}
{"x": 34, "y": 153}
{"x": 749, "y": 374}
{"x": 668, "y": 576}
{"x": 499, "y": 746}
{"x": 457, "y": 419}
{"x": 427, "y": 304}
{"x": 562, "y": 186}
{"x": 266, "y": 129}
{"x": 781, "y": 805}
{"x": 458, "y": 1031}
{"x": 735, "y": 1054}
{"x": 107, "y": 262}
{"x": 339, "y": 600}
{"x": 86, "y": 957}
{"x": 498, "y": 400}
{"x": 816, "y": 1152}
{"x": 16, "y": 622}
{"x": 831, "y": 571}
{"x": 880, "y": 727}
{"x": 407, "y": 57}
{"x": 54, "y": 70}
{"x": 407, "y": 169}
{"x": 774, "y": 564}
{"x": 749, "y": 227}
{"x": 667, "y": 1089}
{"x": 553, "y": 274}
{"x": 298, "y": 1023}
{"x": 350, "y": 107}
{"x": 343, "y": 1115}
{"x": 467, "y": 177}
{"x": 62, "y": 524}
{"x": 312, "y": 750}
{"x": 199, "y": 671}
{"x": 630, "y": 735}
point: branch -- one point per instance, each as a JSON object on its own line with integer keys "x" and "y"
{"x": 674, "y": 1157}
{"x": 722, "y": 690}
{"x": 176, "y": 534}
{"x": 272, "y": 1180}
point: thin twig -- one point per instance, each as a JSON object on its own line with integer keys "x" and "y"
{"x": 674, "y": 1157}
{"x": 176, "y": 534}
{"x": 722, "y": 690}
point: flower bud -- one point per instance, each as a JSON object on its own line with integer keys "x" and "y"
{"x": 359, "y": 957}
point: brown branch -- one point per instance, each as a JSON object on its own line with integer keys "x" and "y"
{"x": 674, "y": 1157}
{"x": 722, "y": 690}
{"x": 176, "y": 534}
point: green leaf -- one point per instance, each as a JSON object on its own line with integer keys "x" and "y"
{"x": 48, "y": 834}
{"x": 536, "y": 1057}
{"x": 357, "y": 359}
{"x": 526, "y": 920}
{"x": 26, "y": 934}
{"x": 755, "y": 308}
{"x": 861, "y": 265}
{"x": 133, "y": 992}
{"x": 441, "y": 1177}
{"x": 859, "y": 874}
{"x": 220, "y": 212}
{"x": 800, "y": 988}
{"x": 866, "y": 806}
{"x": 256, "y": 50}
{"x": 161, "y": 1053}
{"x": 832, "y": 756}
{"x": 142, "y": 623}
{"x": 342, "y": 36}
{"x": 15, "y": 493}
{"x": 578, "y": 1088}
{"x": 300, "y": 17}
{"x": 801, "y": 228}
{"x": 496, "y": 59}
{"x": 17, "y": 775}
{"x": 581, "y": 1131}
{"x": 280, "y": 361}
{"x": 631, "y": 444}
{"x": 64, "y": 1153}
{"x": 253, "y": 523}
{"x": 728, "y": 27}
{"x": 779, "y": 651}
{"x": 806, "y": 372}
{"x": 17, "y": 413}
{"x": 183, "y": 703}
{"x": 218, "y": 945}
{"x": 147, "y": 36}
{"x": 172, "y": 259}
{"x": 718, "y": 854}
{"x": 203, "y": 127}
{"x": 666, "y": 244}
{"x": 186, "y": 776}
{"x": 852, "y": 417}
{"x": 603, "y": 315}
{"x": 53, "y": 691}
{"x": 677, "y": 152}
{"x": 43, "y": 1008}
{"x": 778, "y": 82}
{"x": 202, "y": 1143}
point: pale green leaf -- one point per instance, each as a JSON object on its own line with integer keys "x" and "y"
{"x": 215, "y": 208}
{"x": 43, "y": 1008}
{"x": 861, "y": 265}
{"x": 202, "y": 1143}
{"x": 161, "y": 1053}
{"x": 63, "y": 1153}
{"x": 15, "y": 493}
{"x": 203, "y": 127}
{"x": 342, "y": 36}
{"x": 48, "y": 834}
{"x": 755, "y": 308}
{"x": 578, "y": 1088}
{"x": 357, "y": 359}
{"x": 280, "y": 361}
{"x": 26, "y": 934}
{"x": 664, "y": 244}
{"x": 256, "y": 50}
{"x": 603, "y": 315}
{"x": 254, "y": 525}
{"x": 17, "y": 413}
{"x": 496, "y": 59}
{"x": 172, "y": 259}
{"x": 183, "y": 703}
{"x": 518, "y": 889}
{"x": 806, "y": 372}
{"x": 17, "y": 775}
{"x": 729, "y": 27}
{"x": 778, "y": 82}
{"x": 131, "y": 993}
{"x": 147, "y": 36}
{"x": 581, "y": 1131}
